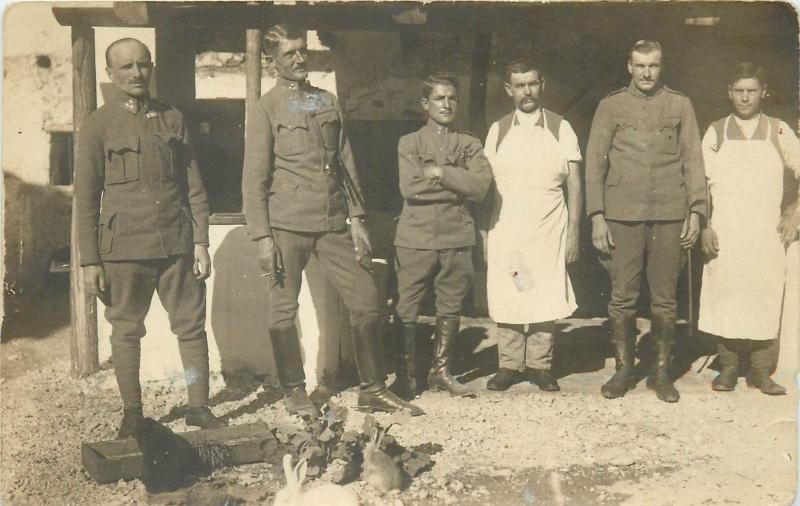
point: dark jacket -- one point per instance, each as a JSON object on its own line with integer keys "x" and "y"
{"x": 435, "y": 216}
{"x": 643, "y": 160}
{"x": 297, "y": 160}
{"x": 138, "y": 190}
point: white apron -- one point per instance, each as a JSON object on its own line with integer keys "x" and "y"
{"x": 742, "y": 292}
{"x": 527, "y": 280}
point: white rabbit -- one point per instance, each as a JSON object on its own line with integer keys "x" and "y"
{"x": 323, "y": 495}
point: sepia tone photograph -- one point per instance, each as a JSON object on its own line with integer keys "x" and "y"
{"x": 400, "y": 253}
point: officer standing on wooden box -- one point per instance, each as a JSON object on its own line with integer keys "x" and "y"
{"x": 142, "y": 220}
{"x": 440, "y": 170}
{"x": 645, "y": 194}
{"x": 300, "y": 186}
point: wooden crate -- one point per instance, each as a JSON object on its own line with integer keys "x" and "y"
{"x": 110, "y": 461}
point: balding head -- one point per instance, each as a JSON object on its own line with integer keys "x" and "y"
{"x": 129, "y": 66}
{"x": 126, "y": 40}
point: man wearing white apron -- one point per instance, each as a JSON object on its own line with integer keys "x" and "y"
{"x": 532, "y": 230}
{"x": 746, "y": 237}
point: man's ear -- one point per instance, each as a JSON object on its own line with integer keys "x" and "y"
{"x": 507, "y": 86}
{"x": 424, "y": 103}
{"x": 763, "y": 92}
{"x": 108, "y": 73}
{"x": 630, "y": 67}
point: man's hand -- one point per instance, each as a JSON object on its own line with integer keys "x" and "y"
{"x": 433, "y": 172}
{"x": 202, "y": 262}
{"x": 269, "y": 258}
{"x": 787, "y": 227}
{"x": 709, "y": 243}
{"x": 691, "y": 229}
{"x": 572, "y": 252}
{"x": 94, "y": 277}
{"x": 358, "y": 231}
{"x": 601, "y": 235}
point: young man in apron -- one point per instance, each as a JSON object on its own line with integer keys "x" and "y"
{"x": 532, "y": 230}
{"x": 440, "y": 170}
{"x": 746, "y": 237}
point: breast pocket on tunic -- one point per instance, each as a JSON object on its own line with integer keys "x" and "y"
{"x": 331, "y": 127}
{"x": 291, "y": 134}
{"x": 668, "y": 135}
{"x": 170, "y": 148}
{"x": 626, "y": 134}
{"x": 122, "y": 159}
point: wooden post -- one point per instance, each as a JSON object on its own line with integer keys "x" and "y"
{"x": 83, "y": 306}
{"x": 253, "y": 66}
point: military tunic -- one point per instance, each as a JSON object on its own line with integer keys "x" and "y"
{"x": 644, "y": 172}
{"x": 140, "y": 207}
{"x": 300, "y": 184}
{"x": 435, "y": 232}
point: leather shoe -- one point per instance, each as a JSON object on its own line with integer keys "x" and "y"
{"x": 384, "y": 400}
{"x": 203, "y": 417}
{"x": 297, "y": 402}
{"x": 726, "y": 379}
{"x": 131, "y": 421}
{"x": 543, "y": 379}
{"x": 504, "y": 379}
{"x": 761, "y": 380}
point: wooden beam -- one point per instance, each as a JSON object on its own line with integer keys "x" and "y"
{"x": 83, "y": 306}
{"x": 253, "y": 67}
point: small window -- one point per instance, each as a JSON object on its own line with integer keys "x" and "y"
{"x": 61, "y": 158}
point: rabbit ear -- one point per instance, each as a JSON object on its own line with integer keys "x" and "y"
{"x": 302, "y": 467}
{"x": 287, "y": 468}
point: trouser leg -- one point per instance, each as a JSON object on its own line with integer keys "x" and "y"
{"x": 295, "y": 249}
{"x": 335, "y": 252}
{"x": 184, "y": 298}
{"x": 130, "y": 287}
{"x": 453, "y": 281}
{"x": 415, "y": 271}
{"x": 664, "y": 263}
{"x": 539, "y": 346}
{"x": 511, "y": 346}
{"x": 627, "y": 263}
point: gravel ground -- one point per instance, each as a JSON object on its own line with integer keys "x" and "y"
{"x": 519, "y": 447}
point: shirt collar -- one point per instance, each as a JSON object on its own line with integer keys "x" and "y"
{"x": 437, "y": 128}
{"x": 291, "y": 85}
{"x": 637, "y": 93}
{"x": 131, "y": 104}
{"x": 529, "y": 118}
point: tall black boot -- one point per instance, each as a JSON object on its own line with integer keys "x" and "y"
{"x": 373, "y": 394}
{"x": 439, "y": 377}
{"x": 729, "y": 366}
{"x": 763, "y": 359}
{"x": 623, "y": 336}
{"x": 662, "y": 329}
{"x": 289, "y": 365}
{"x": 405, "y": 386}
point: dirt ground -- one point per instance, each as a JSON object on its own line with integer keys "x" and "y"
{"x": 521, "y": 447}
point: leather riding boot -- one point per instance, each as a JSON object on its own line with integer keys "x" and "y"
{"x": 623, "y": 335}
{"x": 131, "y": 421}
{"x": 759, "y": 378}
{"x": 729, "y": 366}
{"x": 405, "y": 386}
{"x": 373, "y": 394}
{"x": 203, "y": 417}
{"x": 663, "y": 332}
{"x": 289, "y": 365}
{"x": 439, "y": 377}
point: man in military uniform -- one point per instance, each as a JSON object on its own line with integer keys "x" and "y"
{"x": 142, "y": 219}
{"x": 645, "y": 194}
{"x": 440, "y": 170}
{"x": 300, "y": 185}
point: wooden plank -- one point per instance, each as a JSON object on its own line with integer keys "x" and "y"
{"x": 253, "y": 67}
{"x": 125, "y": 459}
{"x": 83, "y": 307}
